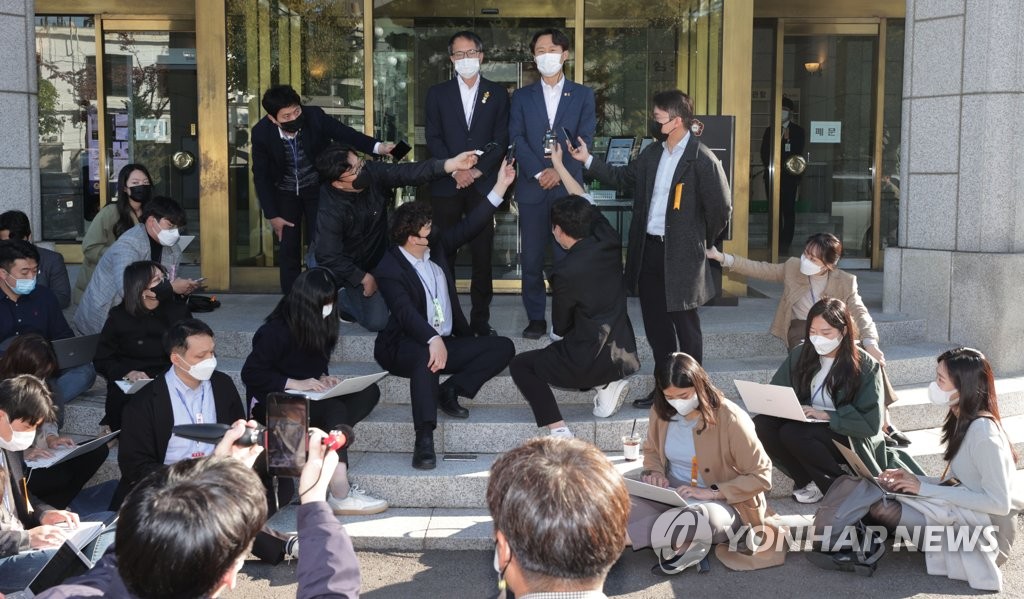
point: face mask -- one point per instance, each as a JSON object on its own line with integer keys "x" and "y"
{"x": 20, "y": 440}
{"x": 824, "y": 345}
{"x": 785, "y": 116}
{"x": 294, "y": 125}
{"x": 168, "y": 237}
{"x": 683, "y": 406}
{"x": 140, "y": 193}
{"x": 23, "y": 286}
{"x": 467, "y": 67}
{"x": 654, "y": 129}
{"x": 808, "y": 267}
{"x": 163, "y": 291}
{"x": 939, "y": 397}
{"x": 549, "y": 64}
{"x": 203, "y": 370}
{"x": 328, "y": 309}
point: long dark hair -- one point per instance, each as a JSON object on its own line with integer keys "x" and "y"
{"x": 137, "y": 276}
{"x": 302, "y": 310}
{"x": 31, "y": 354}
{"x": 843, "y": 380}
{"x": 124, "y": 209}
{"x": 972, "y": 376}
{"x": 681, "y": 370}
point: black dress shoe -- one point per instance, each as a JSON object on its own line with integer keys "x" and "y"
{"x": 483, "y": 329}
{"x": 536, "y": 329}
{"x": 898, "y": 437}
{"x": 449, "y": 402}
{"x": 423, "y": 456}
{"x": 644, "y": 402}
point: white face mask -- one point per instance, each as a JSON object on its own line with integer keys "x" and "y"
{"x": 939, "y": 397}
{"x": 808, "y": 267}
{"x": 467, "y": 67}
{"x": 328, "y": 309}
{"x": 203, "y": 370}
{"x": 785, "y": 116}
{"x": 548, "y": 64}
{"x": 168, "y": 237}
{"x": 20, "y": 440}
{"x": 824, "y": 345}
{"x": 683, "y": 406}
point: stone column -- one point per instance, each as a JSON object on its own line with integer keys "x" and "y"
{"x": 19, "y": 148}
{"x": 960, "y": 263}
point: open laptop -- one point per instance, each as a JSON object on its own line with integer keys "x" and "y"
{"x": 861, "y": 469}
{"x": 75, "y": 351}
{"x": 349, "y": 385}
{"x": 68, "y": 561}
{"x": 772, "y": 400}
{"x": 664, "y": 495}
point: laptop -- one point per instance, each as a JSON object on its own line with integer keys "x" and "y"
{"x": 668, "y": 495}
{"x": 75, "y": 351}
{"x": 350, "y": 385}
{"x": 861, "y": 469}
{"x": 63, "y": 454}
{"x": 772, "y": 400}
{"x": 68, "y": 561}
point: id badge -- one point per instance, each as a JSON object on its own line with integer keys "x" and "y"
{"x": 788, "y": 147}
{"x": 438, "y": 314}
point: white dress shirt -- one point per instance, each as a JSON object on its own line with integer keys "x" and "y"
{"x": 189, "y": 406}
{"x": 435, "y": 287}
{"x": 552, "y": 94}
{"x": 468, "y": 95}
{"x": 663, "y": 186}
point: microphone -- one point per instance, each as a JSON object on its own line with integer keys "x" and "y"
{"x": 340, "y": 437}
{"x": 213, "y": 432}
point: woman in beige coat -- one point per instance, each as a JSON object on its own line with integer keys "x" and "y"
{"x": 805, "y": 280}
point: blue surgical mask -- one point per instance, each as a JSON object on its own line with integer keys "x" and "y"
{"x": 24, "y": 286}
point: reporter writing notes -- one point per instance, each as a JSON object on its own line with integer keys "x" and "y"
{"x": 705, "y": 447}
{"x": 292, "y": 350}
{"x": 837, "y": 382}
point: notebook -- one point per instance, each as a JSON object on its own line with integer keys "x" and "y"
{"x": 772, "y": 400}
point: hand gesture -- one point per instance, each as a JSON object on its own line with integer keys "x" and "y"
{"x": 580, "y": 152}
{"x": 319, "y": 469}
{"x": 713, "y": 254}
{"x": 438, "y": 354}
{"x": 55, "y": 517}
{"x": 386, "y": 147}
{"x": 45, "y": 537}
{"x": 506, "y": 175}
{"x": 278, "y": 224}
{"x": 227, "y": 446}
{"x": 549, "y": 179}
{"x": 369, "y": 285}
{"x": 899, "y": 481}
{"x": 655, "y": 478}
{"x": 463, "y": 179}
{"x": 462, "y": 162}
{"x": 875, "y": 353}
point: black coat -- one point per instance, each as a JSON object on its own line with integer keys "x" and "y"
{"x": 130, "y": 343}
{"x": 702, "y": 216}
{"x": 275, "y": 358}
{"x": 403, "y": 291}
{"x": 352, "y": 227}
{"x": 588, "y": 309}
{"x": 268, "y": 161}
{"x": 797, "y": 140}
{"x": 147, "y": 422}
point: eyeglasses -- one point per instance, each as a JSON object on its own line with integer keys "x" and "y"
{"x": 467, "y": 54}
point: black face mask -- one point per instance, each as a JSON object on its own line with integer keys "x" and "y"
{"x": 654, "y": 130}
{"x": 163, "y": 291}
{"x": 293, "y": 126}
{"x": 140, "y": 193}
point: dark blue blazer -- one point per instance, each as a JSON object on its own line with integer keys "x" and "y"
{"x": 448, "y": 135}
{"x": 528, "y": 122}
{"x": 268, "y": 161}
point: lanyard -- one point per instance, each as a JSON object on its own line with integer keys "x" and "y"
{"x": 433, "y": 293}
{"x": 196, "y": 418}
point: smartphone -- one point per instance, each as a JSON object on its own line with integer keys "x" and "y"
{"x": 287, "y": 433}
{"x": 400, "y": 150}
{"x": 568, "y": 139}
{"x": 459, "y": 457}
{"x": 200, "y": 279}
{"x": 511, "y": 156}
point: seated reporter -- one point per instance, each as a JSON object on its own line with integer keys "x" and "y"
{"x": 53, "y": 274}
{"x": 57, "y": 485}
{"x": 165, "y": 547}
{"x": 131, "y": 345}
{"x": 292, "y": 350}
{"x": 838, "y": 382}
{"x": 427, "y": 334}
{"x": 705, "y": 447}
{"x": 559, "y": 509}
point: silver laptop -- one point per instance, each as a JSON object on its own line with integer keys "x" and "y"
{"x": 664, "y": 495}
{"x": 861, "y": 469}
{"x": 772, "y": 400}
{"x": 75, "y": 351}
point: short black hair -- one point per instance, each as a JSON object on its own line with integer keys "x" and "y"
{"x": 26, "y": 397}
{"x": 409, "y": 218}
{"x": 574, "y": 215}
{"x": 469, "y": 35}
{"x": 16, "y": 249}
{"x": 183, "y": 527}
{"x": 176, "y": 337}
{"x": 137, "y": 276}
{"x": 15, "y": 222}
{"x": 787, "y": 103}
{"x": 676, "y": 103}
{"x": 278, "y": 97}
{"x": 332, "y": 162}
{"x": 557, "y": 38}
{"x": 163, "y": 207}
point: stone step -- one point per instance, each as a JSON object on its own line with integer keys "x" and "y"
{"x": 913, "y": 411}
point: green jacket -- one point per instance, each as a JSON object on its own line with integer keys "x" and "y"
{"x": 859, "y": 420}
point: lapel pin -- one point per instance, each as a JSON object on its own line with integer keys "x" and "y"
{"x": 486, "y": 95}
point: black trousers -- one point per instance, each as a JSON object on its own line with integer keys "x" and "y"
{"x": 667, "y": 332}
{"x": 58, "y": 485}
{"x": 472, "y": 361}
{"x": 803, "y": 450}
{"x": 289, "y": 253}
{"x": 788, "y": 187}
{"x": 535, "y": 389}
{"x": 448, "y": 211}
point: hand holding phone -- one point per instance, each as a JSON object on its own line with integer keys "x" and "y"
{"x": 510, "y": 157}
{"x": 568, "y": 139}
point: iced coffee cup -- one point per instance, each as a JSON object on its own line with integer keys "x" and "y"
{"x": 631, "y": 447}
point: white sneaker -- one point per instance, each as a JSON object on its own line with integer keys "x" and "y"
{"x": 291, "y": 548}
{"x": 610, "y": 397}
{"x": 358, "y": 503}
{"x": 562, "y": 433}
{"x": 808, "y": 494}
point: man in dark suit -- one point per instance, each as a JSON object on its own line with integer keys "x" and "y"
{"x": 285, "y": 144}
{"x": 793, "y": 139}
{"x": 427, "y": 334}
{"x": 53, "y": 274}
{"x": 588, "y": 310}
{"x": 468, "y": 112}
{"x": 538, "y": 114}
{"x": 681, "y": 204}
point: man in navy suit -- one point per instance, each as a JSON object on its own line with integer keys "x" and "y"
{"x": 538, "y": 111}
{"x": 468, "y": 112}
{"x": 285, "y": 144}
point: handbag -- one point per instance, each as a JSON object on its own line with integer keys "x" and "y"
{"x": 846, "y": 503}
{"x": 202, "y": 303}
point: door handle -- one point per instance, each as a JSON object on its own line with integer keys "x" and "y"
{"x": 183, "y": 160}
